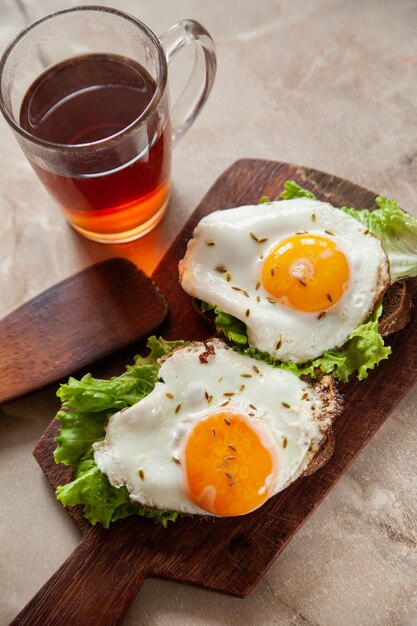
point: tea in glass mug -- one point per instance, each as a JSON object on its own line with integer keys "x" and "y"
{"x": 85, "y": 91}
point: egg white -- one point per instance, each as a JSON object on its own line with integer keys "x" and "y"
{"x": 144, "y": 444}
{"x": 223, "y": 239}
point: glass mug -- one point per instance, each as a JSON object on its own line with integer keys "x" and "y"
{"x": 85, "y": 91}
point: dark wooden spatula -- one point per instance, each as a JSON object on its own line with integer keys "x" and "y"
{"x": 88, "y": 316}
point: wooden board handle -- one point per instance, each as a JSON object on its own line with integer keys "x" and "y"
{"x": 93, "y": 586}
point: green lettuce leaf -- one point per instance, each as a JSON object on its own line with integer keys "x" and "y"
{"x": 95, "y": 395}
{"x": 294, "y": 190}
{"x": 77, "y": 434}
{"x": 230, "y": 326}
{"x": 103, "y": 503}
{"x": 397, "y": 232}
{"x": 264, "y": 200}
{"x": 364, "y": 349}
{"x": 87, "y": 405}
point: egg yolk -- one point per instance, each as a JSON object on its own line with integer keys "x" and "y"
{"x": 228, "y": 469}
{"x": 306, "y": 272}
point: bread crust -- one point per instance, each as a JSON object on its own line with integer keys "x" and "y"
{"x": 323, "y": 455}
{"x": 397, "y": 309}
{"x": 327, "y": 389}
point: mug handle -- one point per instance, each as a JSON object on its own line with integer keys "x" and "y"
{"x": 200, "y": 82}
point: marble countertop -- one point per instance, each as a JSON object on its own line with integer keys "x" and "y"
{"x": 330, "y": 84}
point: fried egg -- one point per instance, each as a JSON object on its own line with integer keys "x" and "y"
{"x": 219, "y": 434}
{"x": 301, "y": 274}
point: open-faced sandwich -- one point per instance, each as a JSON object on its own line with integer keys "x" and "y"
{"x": 195, "y": 428}
{"x": 300, "y": 283}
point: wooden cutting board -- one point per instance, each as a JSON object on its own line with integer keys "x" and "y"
{"x": 97, "y": 584}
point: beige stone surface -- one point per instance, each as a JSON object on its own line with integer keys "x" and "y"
{"x": 330, "y": 84}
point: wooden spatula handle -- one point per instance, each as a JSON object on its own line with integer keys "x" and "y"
{"x": 102, "y": 309}
{"x": 95, "y": 586}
